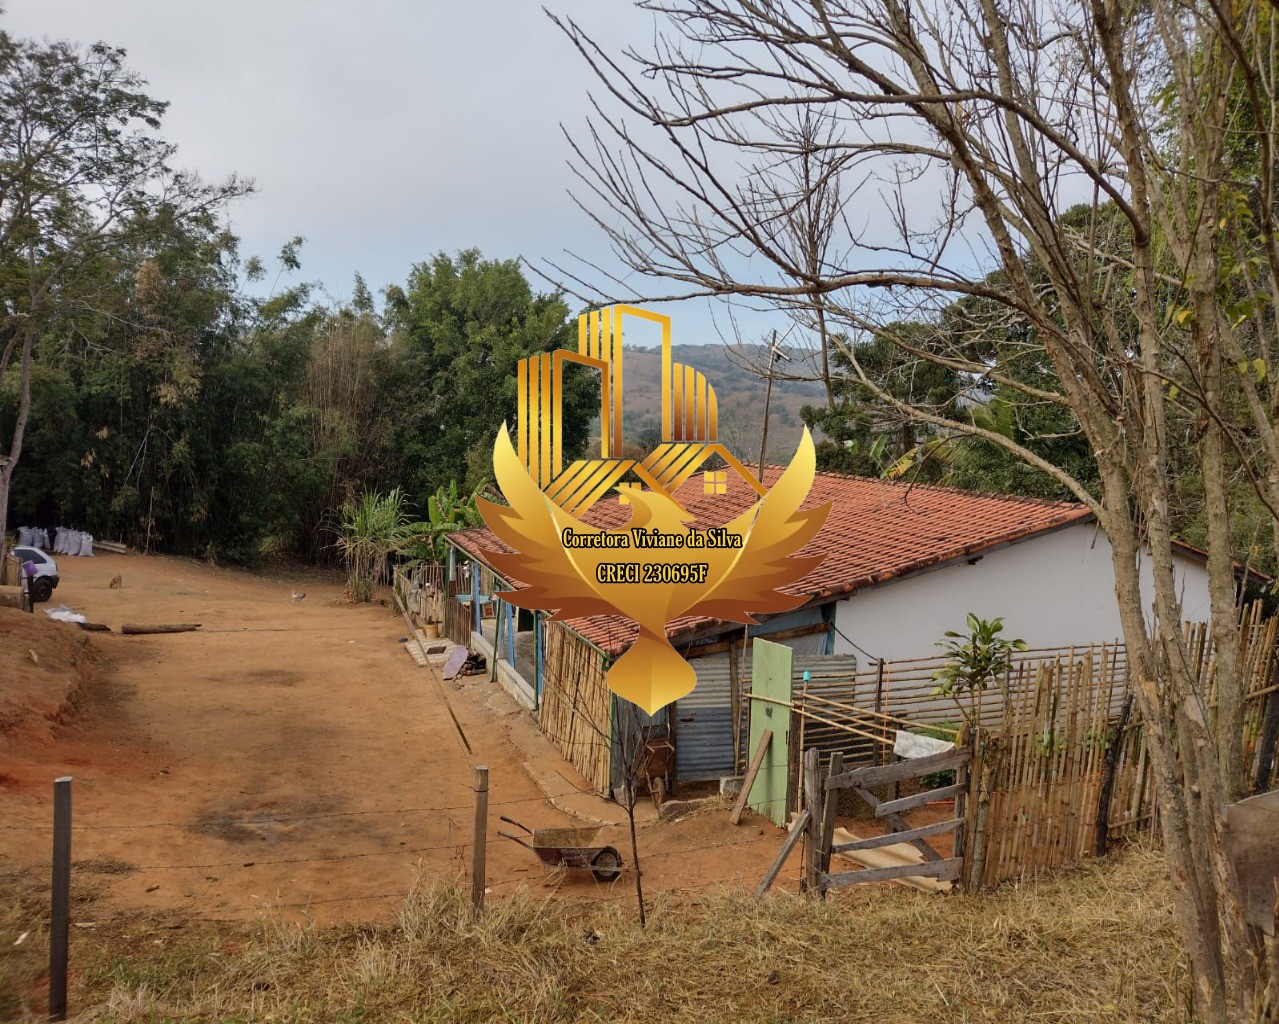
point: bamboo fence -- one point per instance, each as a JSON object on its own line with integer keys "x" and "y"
{"x": 1036, "y": 782}
{"x": 575, "y": 703}
{"x": 1061, "y": 761}
{"x": 458, "y": 621}
{"x": 1036, "y": 792}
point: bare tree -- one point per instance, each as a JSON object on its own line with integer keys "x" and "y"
{"x": 1092, "y": 185}
{"x": 628, "y": 766}
{"x": 799, "y": 204}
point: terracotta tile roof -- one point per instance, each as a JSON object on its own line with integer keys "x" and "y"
{"x": 876, "y": 531}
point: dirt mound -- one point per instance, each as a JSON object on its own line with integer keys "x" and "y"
{"x": 47, "y": 667}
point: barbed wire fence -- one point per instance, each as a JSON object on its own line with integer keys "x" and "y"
{"x": 456, "y": 851}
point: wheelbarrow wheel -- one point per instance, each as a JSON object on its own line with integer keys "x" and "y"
{"x": 657, "y": 790}
{"x": 607, "y": 865}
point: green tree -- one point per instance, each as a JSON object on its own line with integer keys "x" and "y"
{"x": 447, "y": 511}
{"x": 459, "y": 328}
{"x": 868, "y": 436}
{"x": 83, "y": 175}
{"x": 973, "y": 661}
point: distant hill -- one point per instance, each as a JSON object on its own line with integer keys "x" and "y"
{"x": 739, "y": 392}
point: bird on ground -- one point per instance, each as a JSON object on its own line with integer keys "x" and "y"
{"x": 297, "y": 596}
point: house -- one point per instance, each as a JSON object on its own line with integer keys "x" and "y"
{"x": 904, "y": 563}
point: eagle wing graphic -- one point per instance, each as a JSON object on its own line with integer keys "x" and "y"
{"x": 775, "y": 528}
{"x": 737, "y": 581}
{"x": 532, "y": 526}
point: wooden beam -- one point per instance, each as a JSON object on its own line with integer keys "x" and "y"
{"x": 828, "y": 814}
{"x": 893, "y": 838}
{"x": 765, "y": 738}
{"x": 164, "y": 627}
{"x": 901, "y": 770}
{"x": 812, "y": 803}
{"x": 943, "y": 870}
{"x": 785, "y": 634}
{"x": 897, "y": 823}
{"x": 907, "y": 803}
{"x": 795, "y": 834}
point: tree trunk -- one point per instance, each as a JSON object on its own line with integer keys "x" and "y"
{"x": 15, "y": 445}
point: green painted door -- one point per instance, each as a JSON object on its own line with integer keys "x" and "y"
{"x": 771, "y": 679}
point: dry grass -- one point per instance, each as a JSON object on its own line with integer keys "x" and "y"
{"x": 1096, "y": 944}
{"x": 24, "y": 941}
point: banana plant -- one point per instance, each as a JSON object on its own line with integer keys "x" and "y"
{"x": 446, "y": 511}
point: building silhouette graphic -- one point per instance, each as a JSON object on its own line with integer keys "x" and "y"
{"x": 689, "y": 419}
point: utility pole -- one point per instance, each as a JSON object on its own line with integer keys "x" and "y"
{"x": 775, "y": 352}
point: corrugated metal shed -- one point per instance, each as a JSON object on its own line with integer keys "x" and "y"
{"x": 704, "y": 721}
{"x": 832, "y": 677}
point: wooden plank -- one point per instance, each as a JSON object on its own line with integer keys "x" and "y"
{"x": 943, "y": 870}
{"x": 902, "y": 770}
{"x": 828, "y": 814}
{"x": 898, "y": 823}
{"x": 795, "y": 834}
{"x": 812, "y": 803}
{"x": 784, "y": 634}
{"x": 907, "y": 803}
{"x": 765, "y": 738}
{"x": 890, "y": 856}
{"x": 892, "y": 838}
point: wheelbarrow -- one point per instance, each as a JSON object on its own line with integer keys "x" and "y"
{"x": 569, "y": 848}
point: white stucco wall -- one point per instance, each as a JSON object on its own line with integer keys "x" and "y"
{"x": 1051, "y": 590}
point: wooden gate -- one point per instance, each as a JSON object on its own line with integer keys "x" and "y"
{"x": 824, "y": 794}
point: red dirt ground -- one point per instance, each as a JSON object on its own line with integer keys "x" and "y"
{"x": 289, "y": 754}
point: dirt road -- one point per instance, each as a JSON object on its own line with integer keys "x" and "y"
{"x": 290, "y": 754}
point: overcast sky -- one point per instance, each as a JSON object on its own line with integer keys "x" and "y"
{"x": 382, "y": 131}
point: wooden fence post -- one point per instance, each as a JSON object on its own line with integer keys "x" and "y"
{"x": 60, "y": 908}
{"x": 1269, "y": 736}
{"x": 963, "y": 776}
{"x": 979, "y": 786}
{"x": 829, "y": 807}
{"x": 480, "y": 836}
{"x": 735, "y": 707}
{"x": 812, "y": 804}
{"x": 879, "y": 707}
{"x": 1101, "y": 838}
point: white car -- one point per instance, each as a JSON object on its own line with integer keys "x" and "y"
{"x": 45, "y": 577}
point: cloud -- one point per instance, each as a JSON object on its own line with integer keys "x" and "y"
{"x": 382, "y": 132}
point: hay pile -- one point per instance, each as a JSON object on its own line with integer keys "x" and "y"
{"x": 1097, "y": 944}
